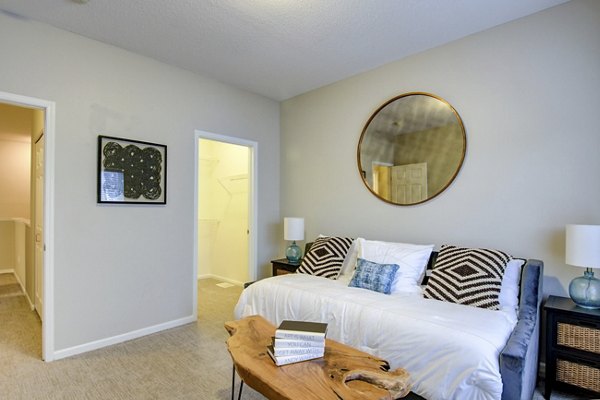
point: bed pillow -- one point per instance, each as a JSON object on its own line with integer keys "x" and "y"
{"x": 411, "y": 259}
{"x": 373, "y": 276}
{"x": 325, "y": 256}
{"x": 509, "y": 290}
{"x": 349, "y": 264}
{"x": 467, "y": 276}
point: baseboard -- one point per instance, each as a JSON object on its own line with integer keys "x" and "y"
{"x": 98, "y": 344}
{"x": 12, "y": 271}
{"x": 31, "y": 305}
{"x": 220, "y": 278}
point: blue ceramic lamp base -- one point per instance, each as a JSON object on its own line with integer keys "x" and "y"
{"x": 585, "y": 290}
{"x": 293, "y": 253}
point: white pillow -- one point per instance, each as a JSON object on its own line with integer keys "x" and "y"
{"x": 349, "y": 264}
{"x": 509, "y": 290}
{"x": 411, "y": 258}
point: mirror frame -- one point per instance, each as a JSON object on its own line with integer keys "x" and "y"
{"x": 458, "y": 167}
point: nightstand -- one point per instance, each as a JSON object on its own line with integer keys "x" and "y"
{"x": 283, "y": 266}
{"x": 572, "y": 348}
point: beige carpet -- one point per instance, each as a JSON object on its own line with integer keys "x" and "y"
{"x": 190, "y": 362}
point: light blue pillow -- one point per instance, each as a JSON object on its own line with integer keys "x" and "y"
{"x": 373, "y": 276}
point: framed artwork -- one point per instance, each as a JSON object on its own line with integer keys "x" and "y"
{"x": 131, "y": 171}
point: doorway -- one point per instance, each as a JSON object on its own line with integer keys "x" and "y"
{"x": 225, "y": 209}
{"x": 39, "y": 285}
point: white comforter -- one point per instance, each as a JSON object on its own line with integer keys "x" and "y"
{"x": 451, "y": 351}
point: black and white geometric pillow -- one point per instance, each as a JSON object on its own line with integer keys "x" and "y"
{"x": 467, "y": 276}
{"x": 325, "y": 257}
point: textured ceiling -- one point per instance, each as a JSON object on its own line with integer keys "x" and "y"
{"x": 277, "y": 48}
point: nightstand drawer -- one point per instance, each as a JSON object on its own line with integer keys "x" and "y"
{"x": 283, "y": 271}
{"x": 578, "y": 337}
{"x": 283, "y": 266}
{"x": 578, "y": 375}
{"x": 572, "y": 348}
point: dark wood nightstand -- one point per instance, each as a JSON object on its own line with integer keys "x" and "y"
{"x": 572, "y": 348}
{"x": 283, "y": 266}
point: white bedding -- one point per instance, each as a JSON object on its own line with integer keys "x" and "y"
{"x": 451, "y": 351}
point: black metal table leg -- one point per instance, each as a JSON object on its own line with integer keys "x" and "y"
{"x": 241, "y": 387}
{"x": 233, "y": 386}
{"x": 233, "y": 383}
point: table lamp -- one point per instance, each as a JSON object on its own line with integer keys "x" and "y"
{"x": 583, "y": 250}
{"x": 293, "y": 229}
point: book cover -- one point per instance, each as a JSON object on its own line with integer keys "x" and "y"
{"x": 281, "y": 342}
{"x": 293, "y": 351}
{"x": 285, "y": 360}
{"x": 302, "y": 330}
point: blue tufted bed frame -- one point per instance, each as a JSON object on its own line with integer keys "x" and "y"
{"x": 519, "y": 358}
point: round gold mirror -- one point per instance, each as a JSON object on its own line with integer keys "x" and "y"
{"x": 411, "y": 148}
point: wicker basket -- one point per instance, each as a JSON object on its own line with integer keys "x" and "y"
{"x": 578, "y": 337}
{"x": 578, "y": 375}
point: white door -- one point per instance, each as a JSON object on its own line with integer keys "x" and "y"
{"x": 409, "y": 183}
{"x": 39, "y": 223}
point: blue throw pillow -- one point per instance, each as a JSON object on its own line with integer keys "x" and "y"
{"x": 373, "y": 276}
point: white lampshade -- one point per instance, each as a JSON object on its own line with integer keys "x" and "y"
{"x": 293, "y": 228}
{"x": 583, "y": 246}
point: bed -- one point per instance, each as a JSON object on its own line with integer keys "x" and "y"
{"x": 452, "y": 351}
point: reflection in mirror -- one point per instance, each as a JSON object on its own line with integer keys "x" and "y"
{"x": 411, "y": 148}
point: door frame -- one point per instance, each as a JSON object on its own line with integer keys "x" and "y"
{"x": 252, "y": 207}
{"x": 49, "y": 108}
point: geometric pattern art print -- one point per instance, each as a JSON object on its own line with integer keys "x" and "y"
{"x": 325, "y": 257}
{"x": 141, "y": 169}
{"x": 467, "y": 276}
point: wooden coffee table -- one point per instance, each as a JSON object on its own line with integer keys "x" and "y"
{"x": 343, "y": 373}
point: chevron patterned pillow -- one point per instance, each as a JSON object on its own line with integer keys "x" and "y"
{"x": 325, "y": 256}
{"x": 467, "y": 276}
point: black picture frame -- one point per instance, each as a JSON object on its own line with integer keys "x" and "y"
{"x": 131, "y": 171}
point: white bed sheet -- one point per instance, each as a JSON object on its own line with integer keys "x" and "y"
{"x": 451, "y": 351}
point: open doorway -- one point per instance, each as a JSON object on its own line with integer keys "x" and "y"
{"x": 225, "y": 209}
{"x": 27, "y": 136}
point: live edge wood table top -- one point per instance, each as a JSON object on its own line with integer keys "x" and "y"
{"x": 343, "y": 373}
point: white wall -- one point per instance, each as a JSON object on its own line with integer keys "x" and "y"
{"x": 7, "y": 245}
{"x": 527, "y": 92}
{"x": 223, "y": 211}
{"x": 118, "y": 268}
{"x": 15, "y": 159}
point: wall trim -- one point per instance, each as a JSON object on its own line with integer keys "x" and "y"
{"x": 31, "y": 305}
{"x": 12, "y": 271}
{"x": 101, "y": 343}
{"x": 220, "y": 278}
{"x": 49, "y": 108}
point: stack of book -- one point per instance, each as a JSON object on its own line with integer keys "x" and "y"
{"x": 297, "y": 341}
